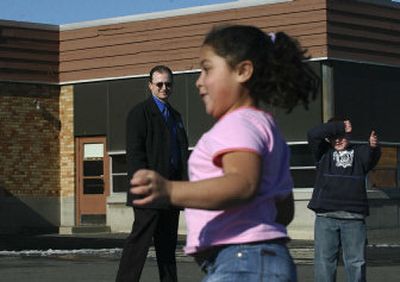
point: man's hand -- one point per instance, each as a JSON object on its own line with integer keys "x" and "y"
{"x": 373, "y": 139}
{"x": 347, "y": 126}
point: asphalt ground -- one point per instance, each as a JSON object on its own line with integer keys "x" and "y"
{"x": 95, "y": 257}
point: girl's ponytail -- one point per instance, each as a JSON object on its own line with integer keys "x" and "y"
{"x": 291, "y": 81}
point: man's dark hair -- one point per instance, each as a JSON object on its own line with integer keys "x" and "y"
{"x": 160, "y": 69}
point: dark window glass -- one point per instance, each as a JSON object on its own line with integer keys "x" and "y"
{"x": 93, "y": 186}
{"x": 93, "y": 167}
{"x": 119, "y": 164}
{"x": 101, "y": 109}
{"x": 120, "y": 183}
{"x": 303, "y": 178}
{"x": 368, "y": 95}
{"x": 300, "y": 155}
{"x": 90, "y": 109}
{"x": 122, "y": 97}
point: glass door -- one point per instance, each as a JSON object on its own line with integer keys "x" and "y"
{"x": 92, "y": 181}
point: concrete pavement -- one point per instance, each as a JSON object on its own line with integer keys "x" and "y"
{"x": 95, "y": 257}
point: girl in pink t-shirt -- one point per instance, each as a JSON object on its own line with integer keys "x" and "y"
{"x": 239, "y": 197}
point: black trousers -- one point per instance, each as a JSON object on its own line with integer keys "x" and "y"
{"x": 159, "y": 226}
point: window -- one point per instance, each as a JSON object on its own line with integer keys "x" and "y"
{"x": 93, "y": 169}
{"x": 119, "y": 175}
{"x": 302, "y": 165}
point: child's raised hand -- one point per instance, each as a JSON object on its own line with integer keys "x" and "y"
{"x": 150, "y": 185}
{"x": 347, "y": 126}
{"x": 373, "y": 139}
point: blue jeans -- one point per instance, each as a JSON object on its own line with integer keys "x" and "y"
{"x": 251, "y": 262}
{"x": 331, "y": 234}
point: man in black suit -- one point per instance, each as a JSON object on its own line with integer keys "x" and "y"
{"x": 156, "y": 139}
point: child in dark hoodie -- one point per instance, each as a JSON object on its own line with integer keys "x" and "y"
{"x": 340, "y": 199}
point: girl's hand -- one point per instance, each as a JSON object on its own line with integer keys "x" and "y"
{"x": 373, "y": 139}
{"x": 151, "y": 186}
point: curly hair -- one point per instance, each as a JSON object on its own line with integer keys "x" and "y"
{"x": 281, "y": 77}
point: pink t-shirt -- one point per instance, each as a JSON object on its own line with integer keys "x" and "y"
{"x": 245, "y": 129}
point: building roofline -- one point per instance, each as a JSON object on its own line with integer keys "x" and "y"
{"x": 170, "y": 13}
{"x": 29, "y": 25}
{"x": 141, "y": 17}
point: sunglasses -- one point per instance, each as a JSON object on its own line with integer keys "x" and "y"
{"x": 160, "y": 84}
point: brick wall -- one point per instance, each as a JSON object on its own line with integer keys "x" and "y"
{"x": 29, "y": 140}
{"x": 67, "y": 149}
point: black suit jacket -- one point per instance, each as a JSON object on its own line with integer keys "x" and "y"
{"x": 147, "y": 143}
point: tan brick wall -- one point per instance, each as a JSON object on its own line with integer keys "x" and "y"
{"x": 67, "y": 148}
{"x": 29, "y": 140}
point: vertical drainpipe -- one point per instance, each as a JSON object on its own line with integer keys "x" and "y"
{"x": 328, "y": 97}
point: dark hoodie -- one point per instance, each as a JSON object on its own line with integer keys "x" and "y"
{"x": 340, "y": 180}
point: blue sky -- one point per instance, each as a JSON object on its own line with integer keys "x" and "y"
{"x": 73, "y": 11}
